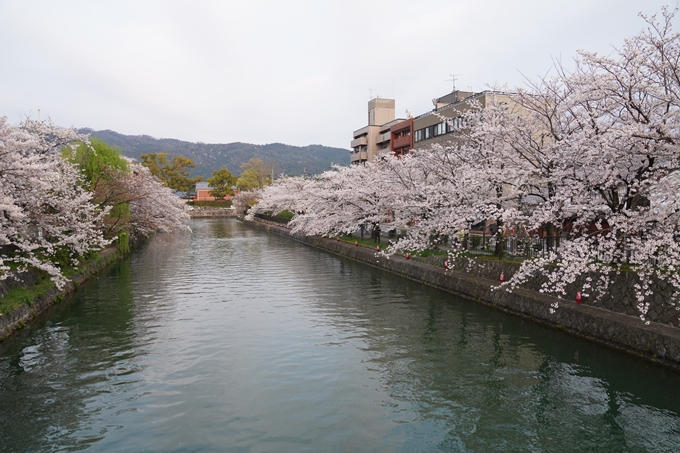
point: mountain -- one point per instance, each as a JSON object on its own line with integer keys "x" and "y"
{"x": 291, "y": 160}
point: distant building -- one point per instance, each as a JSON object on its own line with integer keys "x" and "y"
{"x": 184, "y": 196}
{"x": 399, "y": 136}
{"x": 374, "y": 138}
{"x": 440, "y": 124}
{"x": 203, "y": 192}
{"x": 401, "y": 140}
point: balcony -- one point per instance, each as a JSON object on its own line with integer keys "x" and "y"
{"x": 358, "y": 157}
{"x": 406, "y": 125}
{"x": 361, "y": 141}
{"x": 402, "y": 142}
{"x": 362, "y": 131}
{"x": 382, "y": 138}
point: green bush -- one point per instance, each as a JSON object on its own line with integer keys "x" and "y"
{"x": 285, "y": 215}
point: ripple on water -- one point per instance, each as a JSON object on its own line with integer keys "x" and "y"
{"x": 228, "y": 339}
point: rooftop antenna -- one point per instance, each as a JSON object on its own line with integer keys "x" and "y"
{"x": 370, "y": 93}
{"x": 453, "y": 79}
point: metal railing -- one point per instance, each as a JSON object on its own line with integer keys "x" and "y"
{"x": 519, "y": 246}
{"x": 535, "y": 246}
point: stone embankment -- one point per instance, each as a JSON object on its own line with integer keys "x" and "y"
{"x": 199, "y": 212}
{"x": 621, "y": 297}
{"x": 613, "y": 323}
{"x": 12, "y": 322}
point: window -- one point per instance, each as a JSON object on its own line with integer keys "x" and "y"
{"x": 458, "y": 123}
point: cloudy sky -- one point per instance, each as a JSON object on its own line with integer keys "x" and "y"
{"x": 297, "y": 72}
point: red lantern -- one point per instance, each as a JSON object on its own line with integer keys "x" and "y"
{"x": 579, "y": 297}
{"x": 502, "y": 277}
{"x": 407, "y": 256}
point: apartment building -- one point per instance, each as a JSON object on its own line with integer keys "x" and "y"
{"x": 371, "y": 140}
{"x": 440, "y": 124}
{"x": 401, "y": 141}
{"x": 401, "y": 135}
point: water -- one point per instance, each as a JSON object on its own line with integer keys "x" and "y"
{"x": 229, "y": 339}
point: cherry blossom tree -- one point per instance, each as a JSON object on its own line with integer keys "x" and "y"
{"x": 589, "y": 156}
{"x": 285, "y": 194}
{"x": 243, "y": 201}
{"x": 153, "y": 207}
{"x": 46, "y": 218}
{"x": 126, "y": 190}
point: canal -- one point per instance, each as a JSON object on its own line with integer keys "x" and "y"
{"x": 230, "y": 339}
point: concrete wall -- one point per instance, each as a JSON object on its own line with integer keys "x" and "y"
{"x": 202, "y": 212}
{"x": 620, "y": 298}
{"x": 657, "y": 342}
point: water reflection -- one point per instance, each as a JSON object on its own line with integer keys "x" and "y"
{"x": 228, "y": 339}
{"x": 61, "y": 380}
{"x": 493, "y": 382}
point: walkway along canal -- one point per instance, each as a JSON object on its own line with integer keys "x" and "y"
{"x": 232, "y": 339}
{"x": 656, "y": 342}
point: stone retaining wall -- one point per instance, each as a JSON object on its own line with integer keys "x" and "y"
{"x": 656, "y": 341}
{"x": 202, "y": 212}
{"x": 620, "y": 298}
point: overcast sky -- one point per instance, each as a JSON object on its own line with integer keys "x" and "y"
{"x": 296, "y": 72}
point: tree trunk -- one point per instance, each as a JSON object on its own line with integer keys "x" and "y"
{"x": 498, "y": 252}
